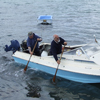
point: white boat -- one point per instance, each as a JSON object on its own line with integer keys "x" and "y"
{"x": 46, "y": 19}
{"x": 77, "y": 64}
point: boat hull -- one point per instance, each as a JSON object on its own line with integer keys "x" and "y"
{"x": 78, "y": 77}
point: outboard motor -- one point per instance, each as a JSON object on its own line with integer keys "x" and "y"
{"x": 13, "y": 47}
{"x": 24, "y": 45}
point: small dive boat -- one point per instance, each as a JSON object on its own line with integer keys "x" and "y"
{"x": 79, "y": 63}
{"x": 46, "y": 19}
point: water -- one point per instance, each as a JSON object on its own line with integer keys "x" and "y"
{"x": 74, "y": 20}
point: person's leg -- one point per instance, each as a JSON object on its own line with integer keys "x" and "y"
{"x": 37, "y": 52}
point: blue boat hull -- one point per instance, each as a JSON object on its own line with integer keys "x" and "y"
{"x": 78, "y": 77}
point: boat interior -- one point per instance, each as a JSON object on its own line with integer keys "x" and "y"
{"x": 83, "y": 53}
{"x": 44, "y": 48}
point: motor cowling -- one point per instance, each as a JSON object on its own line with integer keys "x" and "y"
{"x": 24, "y": 45}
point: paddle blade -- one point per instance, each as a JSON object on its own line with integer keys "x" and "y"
{"x": 54, "y": 78}
{"x": 25, "y": 68}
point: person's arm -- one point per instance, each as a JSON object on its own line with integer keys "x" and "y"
{"x": 39, "y": 39}
{"x": 54, "y": 53}
{"x": 29, "y": 47}
{"x": 55, "y": 56}
{"x": 63, "y": 41}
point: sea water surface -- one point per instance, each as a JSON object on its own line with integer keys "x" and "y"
{"x": 74, "y": 20}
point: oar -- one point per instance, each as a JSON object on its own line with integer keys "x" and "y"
{"x": 58, "y": 65}
{"x": 30, "y": 57}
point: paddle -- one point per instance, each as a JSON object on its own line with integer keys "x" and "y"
{"x": 30, "y": 57}
{"x": 58, "y": 65}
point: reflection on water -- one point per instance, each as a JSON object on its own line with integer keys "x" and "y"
{"x": 33, "y": 90}
{"x": 43, "y": 27}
